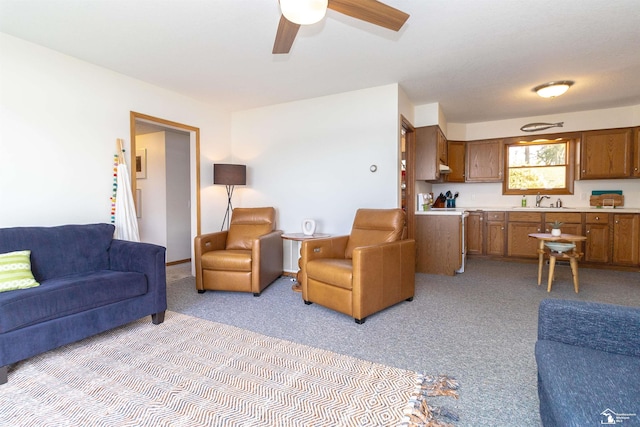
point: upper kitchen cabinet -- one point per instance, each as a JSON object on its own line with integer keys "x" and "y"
{"x": 606, "y": 154}
{"x": 636, "y": 152}
{"x": 456, "y": 158}
{"x": 484, "y": 161}
{"x": 430, "y": 153}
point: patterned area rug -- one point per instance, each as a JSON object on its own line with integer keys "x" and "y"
{"x": 193, "y": 372}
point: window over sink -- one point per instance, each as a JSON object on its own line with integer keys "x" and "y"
{"x": 540, "y": 165}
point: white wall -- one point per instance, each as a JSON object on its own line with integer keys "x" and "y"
{"x": 311, "y": 158}
{"x": 59, "y": 120}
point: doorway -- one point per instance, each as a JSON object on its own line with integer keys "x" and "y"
{"x": 182, "y": 135}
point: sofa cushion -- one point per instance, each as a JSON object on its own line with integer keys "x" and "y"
{"x": 63, "y": 250}
{"x": 581, "y": 383}
{"x": 15, "y": 271}
{"x": 68, "y": 295}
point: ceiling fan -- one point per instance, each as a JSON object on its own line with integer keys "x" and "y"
{"x": 371, "y": 11}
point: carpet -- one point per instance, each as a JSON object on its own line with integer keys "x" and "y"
{"x": 192, "y": 372}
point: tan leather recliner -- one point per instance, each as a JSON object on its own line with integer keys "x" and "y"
{"x": 246, "y": 258}
{"x": 365, "y": 272}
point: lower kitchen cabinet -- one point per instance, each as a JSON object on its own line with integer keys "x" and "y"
{"x": 475, "y": 234}
{"x": 439, "y": 244}
{"x": 519, "y": 226}
{"x": 626, "y": 228}
{"x": 495, "y": 233}
{"x": 598, "y": 245}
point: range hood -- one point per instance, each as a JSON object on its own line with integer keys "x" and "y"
{"x": 444, "y": 168}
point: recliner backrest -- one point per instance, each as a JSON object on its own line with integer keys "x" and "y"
{"x": 248, "y": 224}
{"x": 375, "y": 226}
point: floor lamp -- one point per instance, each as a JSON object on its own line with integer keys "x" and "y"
{"x": 229, "y": 176}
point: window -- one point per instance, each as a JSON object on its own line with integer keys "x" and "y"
{"x": 539, "y": 166}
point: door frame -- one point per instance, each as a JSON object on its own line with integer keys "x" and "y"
{"x": 194, "y": 144}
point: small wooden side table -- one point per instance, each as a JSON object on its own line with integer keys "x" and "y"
{"x": 299, "y": 237}
{"x": 572, "y": 255}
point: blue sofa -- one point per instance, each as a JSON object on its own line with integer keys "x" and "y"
{"x": 89, "y": 283}
{"x": 588, "y": 357}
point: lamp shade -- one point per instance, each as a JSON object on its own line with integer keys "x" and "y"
{"x": 227, "y": 174}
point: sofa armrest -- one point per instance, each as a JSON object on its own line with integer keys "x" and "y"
{"x": 144, "y": 258}
{"x": 604, "y": 327}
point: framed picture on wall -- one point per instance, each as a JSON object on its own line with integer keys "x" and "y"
{"x": 141, "y": 163}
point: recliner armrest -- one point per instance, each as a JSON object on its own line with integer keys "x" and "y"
{"x": 329, "y": 247}
{"x": 205, "y": 243}
{"x": 605, "y": 327}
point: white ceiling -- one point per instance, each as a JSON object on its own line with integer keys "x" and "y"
{"x": 478, "y": 58}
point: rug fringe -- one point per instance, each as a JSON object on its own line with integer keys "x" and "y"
{"x": 418, "y": 413}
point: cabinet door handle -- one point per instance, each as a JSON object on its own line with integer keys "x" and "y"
{"x": 597, "y": 218}
{"x": 538, "y": 230}
{"x": 588, "y": 231}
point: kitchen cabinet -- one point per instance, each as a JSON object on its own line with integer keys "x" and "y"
{"x": 571, "y": 224}
{"x": 636, "y": 152}
{"x": 495, "y": 233}
{"x": 456, "y": 159}
{"x": 598, "y": 244}
{"x": 484, "y": 161}
{"x": 519, "y": 226}
{"x": 430, "y": 153}
{"x": 626, "y": 228}
{"x": 606, "y": 154}
{"x": 474, "y": 230}
{"x": 439, "y": 242}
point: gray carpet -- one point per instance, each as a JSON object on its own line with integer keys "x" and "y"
{"x": 478, "y": 327}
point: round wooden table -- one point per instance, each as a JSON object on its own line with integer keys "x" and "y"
{"x": 573, "y": 255}
{"x": 299, "y": 237}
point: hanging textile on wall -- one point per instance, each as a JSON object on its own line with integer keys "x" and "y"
{"x": 125, "y": 220}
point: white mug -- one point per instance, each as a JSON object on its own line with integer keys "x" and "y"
{"x": 308, "y": 227}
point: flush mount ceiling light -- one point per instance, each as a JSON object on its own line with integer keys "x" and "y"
{"x": 304, "y": 12}
{"x": 553, "y": 89}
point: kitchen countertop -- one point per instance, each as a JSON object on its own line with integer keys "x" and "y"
{"x": 461, "y": 210}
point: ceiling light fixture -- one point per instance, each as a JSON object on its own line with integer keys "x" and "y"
{"x": 553, "y": 89}
{"x": 304, "y": 12}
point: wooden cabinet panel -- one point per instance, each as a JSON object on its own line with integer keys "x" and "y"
{"x": 439, "y": 244}
{"x": 484, "y": 161}
{"x": 519, "y": 244}
{"x": 626, "y": 228}
{"x": 495, "y": 237}
{"x": 456, "y": 156}
{"x": 636, "y": 152}
{"x": 606, "y": 154}
{"x": 598, "y": 244}
{"x": 474, "y": 233}
{"x": 431, "y": 147}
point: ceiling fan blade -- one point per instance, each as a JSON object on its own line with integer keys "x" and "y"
{"x": 371, "y": 11}
{"x": 285, "y": 36}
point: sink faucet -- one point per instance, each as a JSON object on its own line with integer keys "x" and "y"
{"x": 539, "y": 199}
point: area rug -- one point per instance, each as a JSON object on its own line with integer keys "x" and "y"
{"x": 193, "y": 372}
